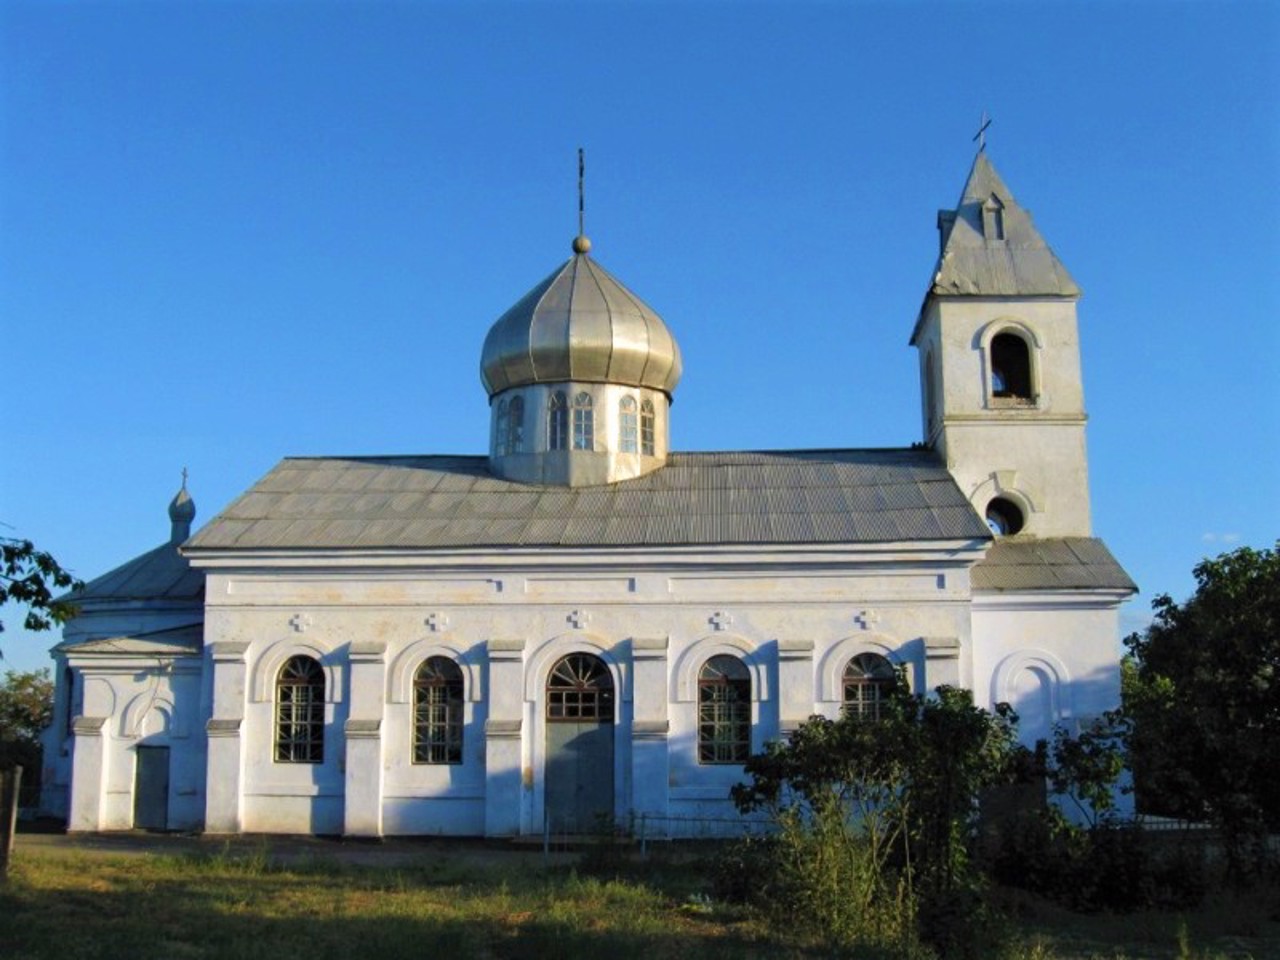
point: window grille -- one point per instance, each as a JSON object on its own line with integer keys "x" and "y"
{"x": 868, "y": 678}
{"x": 437, "y": 712}
{"x": 647, "y": 419}
{"x": 583, "y": 422}
{"x": 724, "y": 711}
{"x": 557, "y": 422}
{"x": 627, "y": 431}
{"x": 515, "y": 426}
{"x": 503, "y": 428}
{"x": 580, "y": 688}
{"x": 300, "y": 712}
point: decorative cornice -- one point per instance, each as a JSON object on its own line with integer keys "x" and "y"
{"x": 942, "y": 648}
{"x": 362, "y": 729}
{"x": 502, "y": 729}
{"x": 367, "y": 651}
{"x": 795, "y": 649}
{"x": 505, "y": 648}
{"x": 650, "y": 729}
{"x": 649, "y": 648}
{"x": 229, "y": 651}
{"x": 88, "y": 726}
{"x": 223, "y": 727}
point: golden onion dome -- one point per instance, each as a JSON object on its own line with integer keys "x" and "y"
{"x": 580, "y": 324}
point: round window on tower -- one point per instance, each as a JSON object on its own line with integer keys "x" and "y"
{"x": 1004, "y": 517}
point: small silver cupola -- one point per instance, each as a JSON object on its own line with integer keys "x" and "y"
{"x": 182, "y": 511}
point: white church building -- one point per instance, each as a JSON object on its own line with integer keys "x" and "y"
{"x": 585, "y": 626}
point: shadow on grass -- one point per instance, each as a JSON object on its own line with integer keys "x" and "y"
{"x": 227, "y": 906}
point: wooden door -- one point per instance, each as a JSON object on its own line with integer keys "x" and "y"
{"x": 578, "y": 776}
{"x": 151, "y": 789}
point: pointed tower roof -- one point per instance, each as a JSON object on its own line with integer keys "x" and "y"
{"x": 990, "y": 247}
{"x": 581, "y": 324}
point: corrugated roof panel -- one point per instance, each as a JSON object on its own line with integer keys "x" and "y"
{"x": 736, "y": 496}
{"x": 282, "y": 479}
{"x": 503, "y": 529}
{"x": 624, "y": 528}
{"x": 1060, "y": 563}
{"x": 903, "y": 496}
{"x": 254, "y": 504}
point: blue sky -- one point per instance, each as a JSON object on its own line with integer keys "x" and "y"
{"x": 233, "y": 232}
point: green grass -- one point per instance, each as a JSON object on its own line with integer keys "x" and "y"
{"x": 68, "y": 905}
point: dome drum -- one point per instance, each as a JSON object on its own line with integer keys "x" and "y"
{"x": 578, "y": 434}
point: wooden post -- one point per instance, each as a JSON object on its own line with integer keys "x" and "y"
{"x": 10, "y": 782}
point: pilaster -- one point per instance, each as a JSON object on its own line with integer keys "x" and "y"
{"x": 224, "y": 784}
{"x": 87, "y": 769}
{"x": 505, "y": 776}
{"x": 650, "y": 728}
{"x": 364, "y": 774}
{"x": 942, "y": 662}
{"x": 795, "y": 683}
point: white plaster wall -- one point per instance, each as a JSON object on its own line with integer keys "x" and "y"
{"x": 888, "y": 603}
{"x": 1035, "y": 452}
{"x": 1072, "y": 642}
{"x": 153, "y": 701}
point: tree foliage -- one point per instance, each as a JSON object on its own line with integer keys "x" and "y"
{"x": 29, "y": 577}
{"x": 1085, "y": 768}
{"x": 26, "y": 705}
{"x": 877, "y": 818}
{"x": 1204, "y": 698}
{"x": 26, "y": 708}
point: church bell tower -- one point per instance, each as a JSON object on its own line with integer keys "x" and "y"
{"x": 999, "y": 349}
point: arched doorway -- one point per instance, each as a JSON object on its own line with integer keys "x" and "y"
{"x": 579, "y": 770}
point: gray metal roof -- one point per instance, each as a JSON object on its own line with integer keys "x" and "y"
{"x": 1060, "y": 563}
{"x": 159, "y": 574}
{"x": 580, "y": 323}
{"x": 185, "y": 639}
{"x": 426, "y": 502}
{"x": 1020, "y": 265}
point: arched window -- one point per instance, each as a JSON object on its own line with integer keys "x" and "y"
{"x": 502, "y": 428}
{"x": 584, "y": 432}
{"x": 867, "y": 681}
{"x": 1011, "y": 368}
{"x": 557, "y": 422}
{"x": 724, "y": 711}
{"x": 437, "y": 712}
{"x": 515, "y": 426}
{"x": 300, "y": 712}
{"x": 646, "y": 427}
{"x": 628, "y": 432}
{"x": 580, "y": 688}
